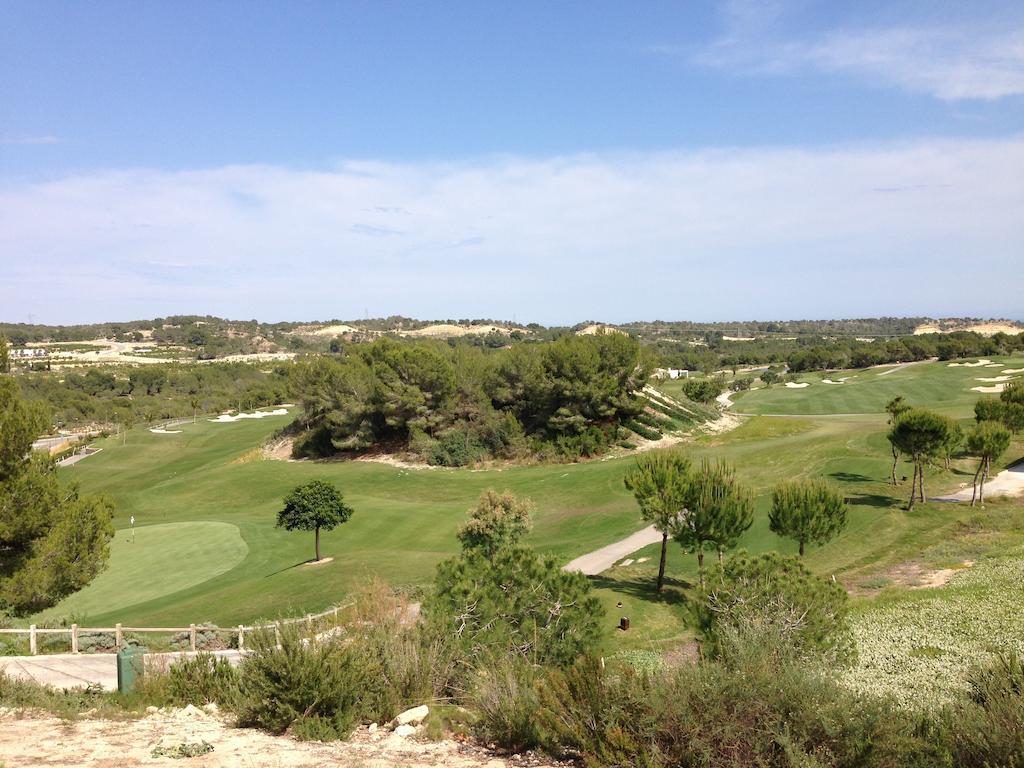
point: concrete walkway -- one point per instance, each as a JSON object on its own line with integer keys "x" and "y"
{"x": 604, "y": 558}
{"x": 74, "y": 670}
{"x": 1009, "y": 482}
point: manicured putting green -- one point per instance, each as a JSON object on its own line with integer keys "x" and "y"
{"x": 162, "y": 560}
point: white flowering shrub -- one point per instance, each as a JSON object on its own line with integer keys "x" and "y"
{"x": 919, "y": 650}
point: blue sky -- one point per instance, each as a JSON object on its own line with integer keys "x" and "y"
{"x": 553, "y": 161}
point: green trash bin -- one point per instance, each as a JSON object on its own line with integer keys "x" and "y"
{"x": 130, "y": 667}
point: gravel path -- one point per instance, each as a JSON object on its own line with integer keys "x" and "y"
{"x": 604, "y": 558}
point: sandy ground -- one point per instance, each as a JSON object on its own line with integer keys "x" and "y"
{"x": 794, "y": 385}
{"x": 995, "y": 389}
{"x": 227, "y": 418}
{"x": 1009, "y": 482}
{"x": 985, "y": 329}
{"x": 592, "y": 330}
{"x": 39, "y": 740}
{"x": 444, "y": 330}
{"x": 604, "y": 558}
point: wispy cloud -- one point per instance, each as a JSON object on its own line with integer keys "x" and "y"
{"x": 557, "y": 239}
{"x": 28, "y": 140}
{"x": 948, "y": 61}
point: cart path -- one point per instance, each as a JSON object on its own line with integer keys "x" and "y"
{"x": 1009, "y": 482}
{"x": 604, "y": 558}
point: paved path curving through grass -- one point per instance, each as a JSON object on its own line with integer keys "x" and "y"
{"x": 600, "y": 560}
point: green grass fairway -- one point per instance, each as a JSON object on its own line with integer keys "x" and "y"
{"x": 936, "y": 385}
{"x": 158, "y": 560}
{"x": 405, "y": 520}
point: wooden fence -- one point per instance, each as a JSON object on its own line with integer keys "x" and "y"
{"x": 193, "y": 630}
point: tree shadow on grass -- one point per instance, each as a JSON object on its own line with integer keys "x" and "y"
{"x": 644, "y": 588}
{"x": 871, "y": 500}
{"x": 287, "y": 568}
{"x": 851, "y": 477}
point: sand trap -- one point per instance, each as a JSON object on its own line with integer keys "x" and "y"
{"x": 1013, "y": 370}
{"x": 969, "y": 365}
{"x": 840, "y": 380}
{"x": 995, "y": 389}
{"x": 226, "y": 418}
{"x": 997, "y": 378}
{"x": 792, "y": 385}
{"x": 993, "y": 365}
{"x": 159, "y": 431}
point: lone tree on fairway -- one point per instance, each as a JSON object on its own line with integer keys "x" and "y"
{"x": 718, "y": 510}
{"x": 921, "y": 435}
{"x": 499, "y": 520}
{"x": 808, "y": 511}
{"x": 659, "y": 482}
{"x": 313, "y": 506}
{"x": 988, "y": 441}
{"x": 896, "y": 408}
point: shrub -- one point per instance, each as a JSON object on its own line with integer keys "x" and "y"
{"x": 318, "y": 689}
{"x": 643, "y": 431}
{"x": 609, "y": 720}
{"x": 779, "y": 599}
{"x": 755, "y": 712}
{"x": 207, "y": 638}
{"x": 514, "y": 601}
{"x": 96, "y": 642}
{"x": 987, "y": 729}
{"x": 504, "y": 699}
{"x": 702, "y": 390}
{"x": 202, "y": 679}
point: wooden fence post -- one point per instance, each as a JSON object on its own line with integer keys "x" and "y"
{"x": 241, "y": 638}
{"x": 192, "y": 636}
{"x": 33, "y": 646}
{"x": 74, "y": 638}
{"x": 309, "y": 622}
{"x": 118, "y": 636}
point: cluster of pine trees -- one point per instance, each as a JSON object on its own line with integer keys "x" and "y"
{"x": 456, "y": 404}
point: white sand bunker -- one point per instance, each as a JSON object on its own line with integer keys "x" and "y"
{"x": 1013, "y": 370}
{"x": 995, "y": 389}
{"x": 159, "y": 431}
{"x": 226, "y": 418}
{"x": 793, "y": 385}
{"x": 997, "y": 378}
{"x": 840, "y": 380}
{"x": 993, "y": 365}
{"x": 970, "y": 365}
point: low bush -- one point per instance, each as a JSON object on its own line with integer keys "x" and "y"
{"x": 987, "y": 729}
{"x": 203, "y": 679}
{"x": 642, "y": 430}
{"x": 319, "y": 690}
{"x": 504, "y": 699}
{"x": 778, "y": 599}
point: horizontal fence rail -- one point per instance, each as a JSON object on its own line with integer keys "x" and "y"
{"x": 118, "y": 630}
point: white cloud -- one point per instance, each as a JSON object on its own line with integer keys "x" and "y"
{"x": 926, "y": 227}
{"x": 29, "y": 140}
{"x": 950, "y": 62}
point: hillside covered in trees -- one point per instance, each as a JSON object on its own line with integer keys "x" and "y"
{"x": 455, "y": 404}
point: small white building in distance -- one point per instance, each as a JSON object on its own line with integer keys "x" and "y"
{"x": 671, "y": 373}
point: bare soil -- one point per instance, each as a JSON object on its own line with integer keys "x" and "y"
{"x": 35, "y": 739}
